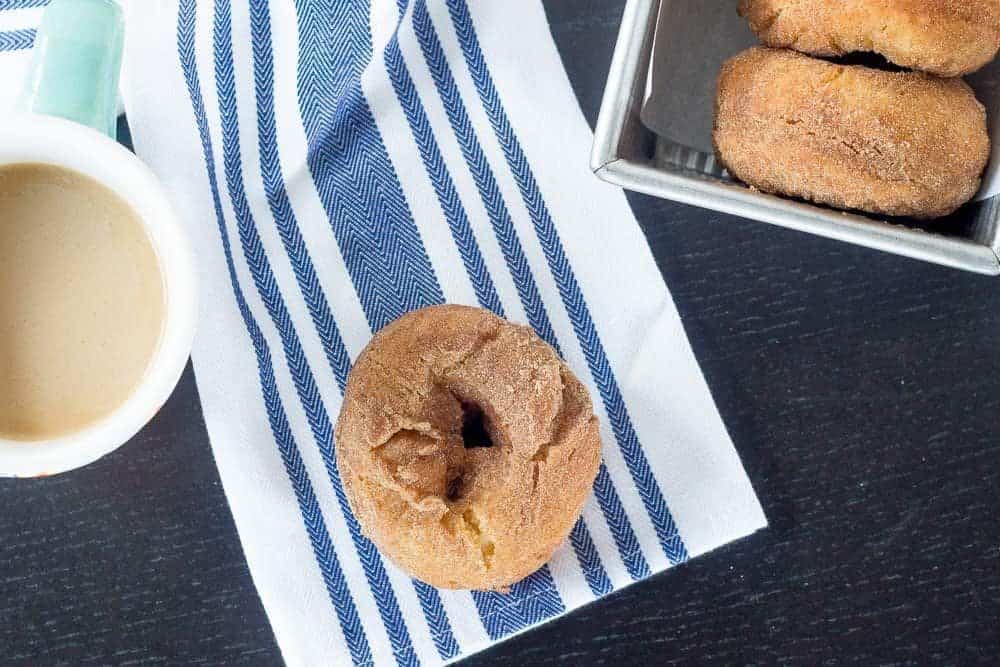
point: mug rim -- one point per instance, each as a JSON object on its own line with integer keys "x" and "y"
{"x": 31, "y": 138}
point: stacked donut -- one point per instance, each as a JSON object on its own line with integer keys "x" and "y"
{"x": 892, "y": 141}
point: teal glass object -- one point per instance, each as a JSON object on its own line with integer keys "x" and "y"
{"x": 76, "y": 63}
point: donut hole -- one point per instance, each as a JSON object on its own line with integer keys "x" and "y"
{"x": 475, "y": 427}
{"x": 454, "y": 489}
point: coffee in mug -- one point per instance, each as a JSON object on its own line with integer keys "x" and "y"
{"x": 98, "y": 285}
{"x": 81, "y": 301}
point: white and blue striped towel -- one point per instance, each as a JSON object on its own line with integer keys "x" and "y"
{"x": 340, "y": 162}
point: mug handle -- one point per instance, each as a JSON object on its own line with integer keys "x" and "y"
{"x": 76, "y": 63}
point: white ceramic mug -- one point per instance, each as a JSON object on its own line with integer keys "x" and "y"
{"x": 35, "y": 138}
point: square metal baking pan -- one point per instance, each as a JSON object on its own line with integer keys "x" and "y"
{"x": 629, "y": 155}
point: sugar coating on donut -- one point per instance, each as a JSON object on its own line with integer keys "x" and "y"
{"x": 466, "y": 447}
{"x": 944, "y": 37}
{"x": 893, "y": 143}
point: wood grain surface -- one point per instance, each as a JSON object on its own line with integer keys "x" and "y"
{"x": 861, "y": 389}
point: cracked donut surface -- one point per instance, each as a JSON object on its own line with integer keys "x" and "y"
{"x": 892, "y": 143}
{"x": 466, "y": 447}
{"x": 944, "y": 37}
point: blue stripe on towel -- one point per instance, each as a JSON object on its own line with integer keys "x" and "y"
{"x": 21, "y": 4}
{"x": 17, "y": 40}
{"x": 319, "y": 538}
{"x": 572, "y": 296}
{"x": 356, "y": 181}
{"x": 298, "y": 254}
{"x": 590, "y": 561}
{"x": 437, "y": 620}
{"x": 277, "y": 198}
{"x": 298, "y": 365}
{"x": 526, "y": 604}
{"x": 482, "y": 175}
{"x": 437, "y": 172}
{"x": 517, "y": 263}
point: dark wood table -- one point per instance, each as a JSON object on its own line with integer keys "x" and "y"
{"x": 861, "y": 389}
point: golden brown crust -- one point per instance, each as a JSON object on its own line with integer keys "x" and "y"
{"x": 944, "y": 37}
{"x": 455, "y": 517}
{"x": 893, "y": 143}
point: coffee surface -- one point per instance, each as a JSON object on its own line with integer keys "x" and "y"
{"x": 81, "y": 301}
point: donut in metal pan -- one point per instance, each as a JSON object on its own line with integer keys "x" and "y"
{"x": 850, "y": 137}
{"x": 943, "y": 37}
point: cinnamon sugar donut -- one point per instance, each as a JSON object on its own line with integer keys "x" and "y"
{"x": 944, "y": 37}
{"x": 893, "y": 143}
{"x": 466, "y": 447}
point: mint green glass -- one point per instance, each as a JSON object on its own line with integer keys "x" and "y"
{"x": 76, "y": 63}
